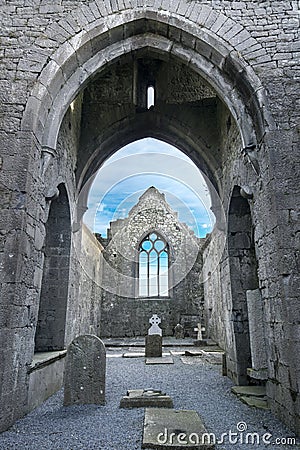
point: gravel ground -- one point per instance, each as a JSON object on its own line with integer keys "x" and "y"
{"x": 197, "y": 386}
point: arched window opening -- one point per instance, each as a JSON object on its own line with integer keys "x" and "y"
{"x": 153, "y": 267}
{"x": 150, "y": 97}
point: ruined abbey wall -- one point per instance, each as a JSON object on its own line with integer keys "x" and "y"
{"x": 125, "y": 311}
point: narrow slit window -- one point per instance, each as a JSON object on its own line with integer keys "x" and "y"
{"x": 150, "y": 96}
{"x": 153, "y": 267}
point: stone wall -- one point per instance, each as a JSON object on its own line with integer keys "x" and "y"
{"x": 83, "y": 312}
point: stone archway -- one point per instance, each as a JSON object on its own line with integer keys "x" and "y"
{"x": 230, "y": 81}
{"x": 99, "y": 44}
{"x": 207, "y": 43}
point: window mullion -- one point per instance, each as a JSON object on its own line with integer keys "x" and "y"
{"x": 148, "y": 274}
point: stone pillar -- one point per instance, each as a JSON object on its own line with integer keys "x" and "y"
{"x": 85, "y": 371}
{"x": 257, "y": 335}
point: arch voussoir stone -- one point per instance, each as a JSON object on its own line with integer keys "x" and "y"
{"x": 65, "y": 54}
{"x": 101, "y": 7}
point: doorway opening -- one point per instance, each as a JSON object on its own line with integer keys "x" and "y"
{"x": 50, "y": 330}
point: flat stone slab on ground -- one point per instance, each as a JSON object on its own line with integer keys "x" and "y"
{"x": 174, "y": 429}
{"x": 193, "y": 352}
{"x": 140, "y": 354}
{"x": 260, "y": 374}
{"x": 256, "y": 402}
{"x": 137, "y": 342}
{"x": 141, "y": 398}
{"x": 162, "y": 360}
{"x": 213, "y": 357}
{"x": 210, "y": 356}
{"x": 192, "y": 360}
{"x": 134, "y": 355}
{"x": 250, "y": 391}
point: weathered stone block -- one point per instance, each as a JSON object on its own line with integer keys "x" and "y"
{"x": 85, "y": 371}
{"x": 140, "y": 398}
{"x": 179, "y": 331}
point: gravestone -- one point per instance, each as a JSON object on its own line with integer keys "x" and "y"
{"x": 154, "y": 338}
{"x": 199, "y": 332}
{"x": 200, "y": 341}
{"x": 84, "y": 380}
{"x": 252, "y": 395}
{"x": 179, "y": 331}
{"x": 194, "y": 352}
{"x": 155, "y": 329}
{"x": 153, "y": 346}
{"x": 133, "y": 355}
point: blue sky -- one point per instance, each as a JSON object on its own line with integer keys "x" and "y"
{"x": 148, "y": 162}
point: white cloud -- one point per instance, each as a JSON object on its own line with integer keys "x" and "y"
{"x": 128, "y": 173}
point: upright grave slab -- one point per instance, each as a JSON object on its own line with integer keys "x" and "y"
{"x": 85, "y": 369}
{"x": 154, "y": 338}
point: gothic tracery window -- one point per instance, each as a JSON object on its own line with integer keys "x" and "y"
{"x": 153, "y": 266}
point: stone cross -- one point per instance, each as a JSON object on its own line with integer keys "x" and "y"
{"x": 199, "y": 332}
{"x": 155, "y": 329}
{"x": 84, "y": 379}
